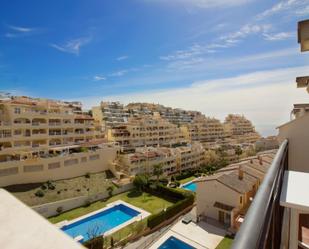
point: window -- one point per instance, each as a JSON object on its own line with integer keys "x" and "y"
{"x": 54, "y": 165}
{"x": 17, "y": 110}
{"x": 240, "y": 200}
{"x": 9, "y": 171}
{"x": 94, "y": 157}
{"x": 33, "y": 168}
{"x": 70, "y": 162}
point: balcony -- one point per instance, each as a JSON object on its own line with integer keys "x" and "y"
{"x": 263, "y": 222}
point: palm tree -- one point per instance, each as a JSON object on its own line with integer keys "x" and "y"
{"x": 158, "y": 171}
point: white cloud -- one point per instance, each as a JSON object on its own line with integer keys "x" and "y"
{"x": 203, "y": 3}
{"x": 196, "y": 53}
{"x": 21, "y": 29}
{"x": 98, "y": 78}
{"x": 18, "y": 31}
{"x": 265, "y": 97}
{"x": 279, "y": 36}
{"x": 243, "y": 32}
{"x": 119, "y": 73}
{"x": 121, "y": 58}
{"x": 294, "y": 6}
{"x": 72, "y": 46}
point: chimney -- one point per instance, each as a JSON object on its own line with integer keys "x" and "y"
{"x": 251, "y": 161}
{"x": 240, "y": 173}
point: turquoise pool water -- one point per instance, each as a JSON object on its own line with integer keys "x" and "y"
{"x": 101, "y": 222}
{"x": 190, "y": 186}
{"x": 174, "y": 243}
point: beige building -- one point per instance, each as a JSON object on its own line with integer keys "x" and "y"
{"x": 240, "y": 128}
{"x": 173, "y": 160}
{"x": 226, "y": 195}
{"x": 39, "y": 138}
{"x": 145, "y": 131}
{"x": 206, "y": 130}
{"x": 173, "y": 115}
{"x": 267, "y": 143}
{"x": 110, "y": 114}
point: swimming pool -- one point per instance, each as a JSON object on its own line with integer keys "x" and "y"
{"x": 190, "y": 186}
{"x": 174, "y": 243}
{"x": 102, "y": 221}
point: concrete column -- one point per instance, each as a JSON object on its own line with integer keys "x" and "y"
{"x": 294, "y": 224}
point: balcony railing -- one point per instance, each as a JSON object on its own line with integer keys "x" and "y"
{"x": 263, "y": 221}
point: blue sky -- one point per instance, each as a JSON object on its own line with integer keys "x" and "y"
{"x": 149, "y": 50}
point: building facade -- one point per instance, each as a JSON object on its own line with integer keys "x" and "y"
{"x": 172, "y": 160}
{"x": 40, "y": 137}
{"x": 226, "y": 195}
{"x": 145, "y": 131}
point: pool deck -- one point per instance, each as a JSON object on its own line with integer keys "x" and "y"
{"x": 143, "y": 214}
{"x": 201, "y": 235}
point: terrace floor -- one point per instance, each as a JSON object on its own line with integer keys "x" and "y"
{"x": 200, "y": 235}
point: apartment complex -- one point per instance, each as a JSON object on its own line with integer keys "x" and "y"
{"x": 145, "y": 131}
{"x": 172, "y": 160}
{"x": 205, "y": 130}
{"x": 238, "y": 127}
{"x": 110, "y": 114}
{"x": 40, "y": 137}
{"x": 173, "y": 115}
{"x": 226, "y": 195}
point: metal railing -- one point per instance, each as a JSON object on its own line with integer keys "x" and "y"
{"x": 263, "y": 221}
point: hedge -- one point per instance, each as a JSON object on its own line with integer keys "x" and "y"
{"x": 170, "y": 193}
{"x": 184, "y": 200}
{"x": 184, "y": 175}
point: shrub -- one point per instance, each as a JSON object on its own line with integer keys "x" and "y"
{"x": 95, "y": 243}
{"x": 50, "y": 185}
{"x": 140, "y": 181}
{"x": 59, "y": 210}
{"x": 110, "y": 190}
{"x": 87, "y": 175}
{"x": 44, "y": 186}
{"x": 83, "y": 149}
{"x": 39, "y": 193}
{"x": 164, "y": 181}
{"x": 87, "y": 203}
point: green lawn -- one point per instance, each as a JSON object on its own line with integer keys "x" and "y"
{"x": 148, "y": 202}
{"x": 226, "y": 243}
{"x": 187, "y": 179}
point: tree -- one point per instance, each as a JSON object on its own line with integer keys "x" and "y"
{"x": 96, "y": 241}
{"x": 157, "y": 171}
{"x": 110, "y": 190}
{"x": 140, "y": 181}
{"x": 238, "y": 151}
